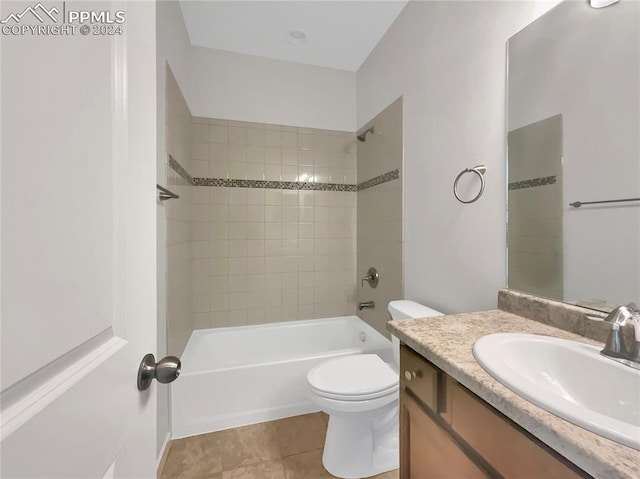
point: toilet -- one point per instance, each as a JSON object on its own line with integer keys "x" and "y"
{"x": 360, "y": 395}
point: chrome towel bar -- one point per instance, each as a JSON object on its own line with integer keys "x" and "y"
{"x": 165, "y": 194}
{"x": 578, "y": 204}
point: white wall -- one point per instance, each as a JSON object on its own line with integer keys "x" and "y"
{"x": 248, "y": 88}
{"x": 172, "y": 48}
{"x": 448, "y": 61}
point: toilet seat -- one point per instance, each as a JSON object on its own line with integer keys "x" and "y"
{"x": 358, "y": 377}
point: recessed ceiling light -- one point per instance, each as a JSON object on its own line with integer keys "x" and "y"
{"x": 297, "y": 37}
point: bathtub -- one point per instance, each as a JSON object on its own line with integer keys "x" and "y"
{"x": 244, "y": 375}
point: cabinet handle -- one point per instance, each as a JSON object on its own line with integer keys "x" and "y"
{"x": 410, "y": 375}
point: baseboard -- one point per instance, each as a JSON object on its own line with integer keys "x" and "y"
{"x": 232, "y": 421}
{"x": 164, "y": 452}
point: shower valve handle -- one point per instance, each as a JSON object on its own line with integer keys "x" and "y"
{"x": 372, "y": 278}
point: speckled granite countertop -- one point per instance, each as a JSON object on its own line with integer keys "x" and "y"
{"x": 447, "y": 342}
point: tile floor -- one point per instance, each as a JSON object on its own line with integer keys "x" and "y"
{"x": 289, "y": 448}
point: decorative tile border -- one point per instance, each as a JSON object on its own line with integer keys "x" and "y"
{"x": 280, "y": 185}
{"x": 378, "y": 180}
{"x": 547, "y": 180}
{"x": 277, "y": 185}
{"x": 178, "y": 168}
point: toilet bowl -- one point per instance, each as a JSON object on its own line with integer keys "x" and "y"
{"x": 360, "y": 395}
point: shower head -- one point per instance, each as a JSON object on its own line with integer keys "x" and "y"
{"x": 363, "y": 136}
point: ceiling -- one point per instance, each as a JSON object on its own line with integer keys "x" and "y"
{"x": 340, "y": 34}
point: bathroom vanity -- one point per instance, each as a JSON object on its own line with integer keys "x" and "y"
{"x": 456, "y": 420}
{"x": 448, "y": 431}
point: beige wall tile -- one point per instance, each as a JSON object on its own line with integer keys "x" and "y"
{"x": 237, "y": 135}
{"x": 186, "y": 224}
{"x": 255, "y": 248}
{"x": 379, "y": 216}
{"x": 237, "y": 152}
{"x": 219, "y": 134}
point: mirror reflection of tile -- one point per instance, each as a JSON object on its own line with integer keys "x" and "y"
{"x": 534, "y": 232}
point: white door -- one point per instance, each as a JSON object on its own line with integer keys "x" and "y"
{"x": 78, "y": 243}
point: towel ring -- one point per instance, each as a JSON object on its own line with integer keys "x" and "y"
{"x": 478, "y": 170}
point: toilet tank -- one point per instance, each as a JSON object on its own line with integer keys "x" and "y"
{"x": 404, "y": 309}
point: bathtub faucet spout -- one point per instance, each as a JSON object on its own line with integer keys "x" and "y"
{"x": 367, "y": 305}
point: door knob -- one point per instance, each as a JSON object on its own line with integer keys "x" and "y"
{"x": 165, "y": 371}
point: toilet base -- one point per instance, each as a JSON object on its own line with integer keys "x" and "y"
{"x": 360, "y": 445}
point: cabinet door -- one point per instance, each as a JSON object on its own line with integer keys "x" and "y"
{"x": 509, "y": 450}
{"x": 427, "y": 450}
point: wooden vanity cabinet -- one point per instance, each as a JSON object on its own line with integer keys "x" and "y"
{"x": 447, "y": 432}
{"x": 427, "y": 451}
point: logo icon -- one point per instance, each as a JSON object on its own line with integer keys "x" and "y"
{"x": 38, "y": 11}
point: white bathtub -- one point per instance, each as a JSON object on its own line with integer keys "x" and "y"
{"x": 243, "y": 375}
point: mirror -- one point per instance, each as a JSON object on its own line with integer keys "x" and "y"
{"x": 573, "y": 136}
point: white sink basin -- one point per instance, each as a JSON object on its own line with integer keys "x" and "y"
{"x": 569, "y": 379}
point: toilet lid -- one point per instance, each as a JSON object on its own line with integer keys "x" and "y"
{"x": 357, "y": 375}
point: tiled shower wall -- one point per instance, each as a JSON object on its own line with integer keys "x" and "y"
{"x": 179, "y": 225}
{"x": 274, "y": 223}
{"x": 380, "y": 213}
{"x": 535, "y": 230}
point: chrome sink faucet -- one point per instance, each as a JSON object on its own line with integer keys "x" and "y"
{"x": 615, "y": 348}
